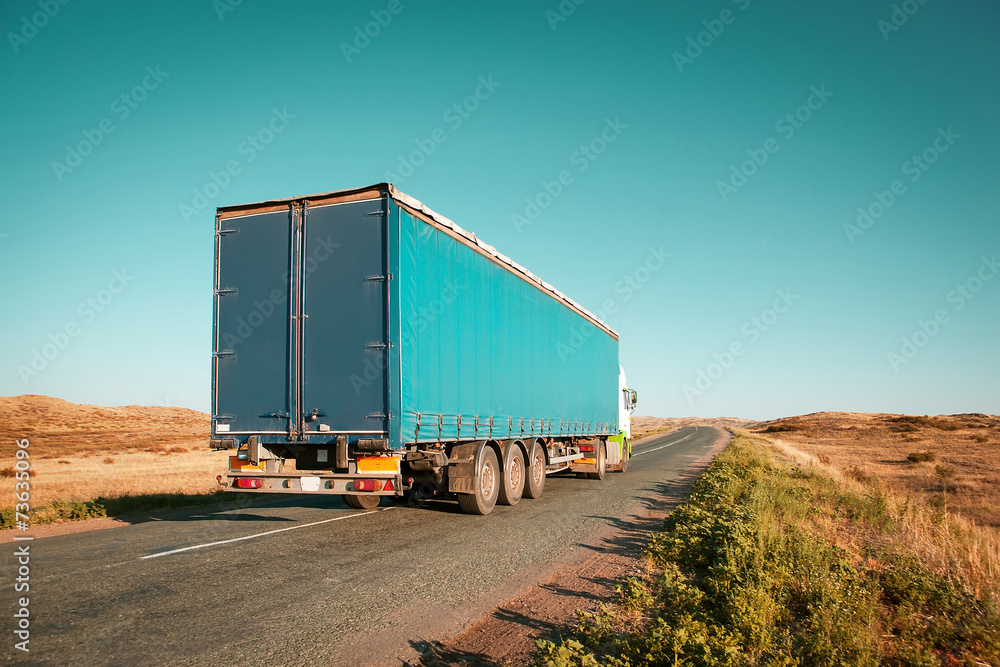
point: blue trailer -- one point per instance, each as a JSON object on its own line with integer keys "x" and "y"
{"x": 367, "y": 346}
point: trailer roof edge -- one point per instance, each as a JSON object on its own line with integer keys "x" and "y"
{"x": 485, "y": 248}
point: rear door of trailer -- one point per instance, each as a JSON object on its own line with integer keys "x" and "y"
{"x": 301, "y": 320}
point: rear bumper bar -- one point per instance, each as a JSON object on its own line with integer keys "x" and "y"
{"x": 321, "y": 483}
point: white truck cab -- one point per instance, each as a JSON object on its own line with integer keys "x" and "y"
{"x": 627, "y": 400}
{"x": 620, "y": 446}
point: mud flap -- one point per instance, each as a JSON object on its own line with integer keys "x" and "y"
{"x": 462, "y": 473}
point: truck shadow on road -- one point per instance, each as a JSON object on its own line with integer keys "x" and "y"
{"x": 630, "y": 534}
{"x": 222, "y": 516}
{"x": 433, "y": 504}
{"x": 236, "y": 510}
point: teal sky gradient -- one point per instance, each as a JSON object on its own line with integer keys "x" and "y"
{"x": 349, "y": 123}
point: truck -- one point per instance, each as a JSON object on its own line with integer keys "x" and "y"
{"x": 368, "y": 347}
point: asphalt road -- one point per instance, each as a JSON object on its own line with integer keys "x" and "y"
{"x": 290, "y": 580}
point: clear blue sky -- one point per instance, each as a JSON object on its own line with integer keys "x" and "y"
{"x": 682, "y": 117}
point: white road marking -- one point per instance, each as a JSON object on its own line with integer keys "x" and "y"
{"x": 647, "y": 451}
{"x": 250, "y": 537}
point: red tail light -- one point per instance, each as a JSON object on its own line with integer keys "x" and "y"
{"x": 249, "y": 482}
{"x": 367, "y": 485}
{"x": 586, "y": 448}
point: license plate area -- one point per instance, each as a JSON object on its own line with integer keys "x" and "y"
{"x": 380, "y": 464}
{"x": 237, "y": 464}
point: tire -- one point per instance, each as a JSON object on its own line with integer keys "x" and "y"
{"x": 625, "y": 456}
{"x": 362, "y": 502}
{"x": 534, "y": 482}
{"x": 602, "y": 463}
{"x": 513, "y": 477}
{"x": 485, "y": 498}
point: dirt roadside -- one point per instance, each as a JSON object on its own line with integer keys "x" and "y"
{"x": 546, "y": 611}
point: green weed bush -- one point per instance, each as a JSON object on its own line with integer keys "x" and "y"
{"x": 747, "y": 573}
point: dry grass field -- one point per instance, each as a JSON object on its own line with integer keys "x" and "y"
{"x": 951, "y": 461}
{"x": 59, "y": 428}
{"x": 81, "y": 452}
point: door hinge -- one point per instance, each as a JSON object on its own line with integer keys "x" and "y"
{"x": 224, "y": 353}
{"x": 225, "y": 290}
{"x": 379, "y": 212}
{"x": 375, "y": 279}
{"x": 274, "y": 415}
{"x": 378, "y": 415}
{"x": 378, "y": 346}
{"x": 223, "y": 232}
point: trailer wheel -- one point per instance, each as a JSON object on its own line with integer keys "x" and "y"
{"x": 362, "y": 502}
{"x": 535, "y": 482}
{"x": 625, "y": 456}
{"x": 513, "y": 477}
{"x": 488, "y": 486}
{"x": 602, "y": 463}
